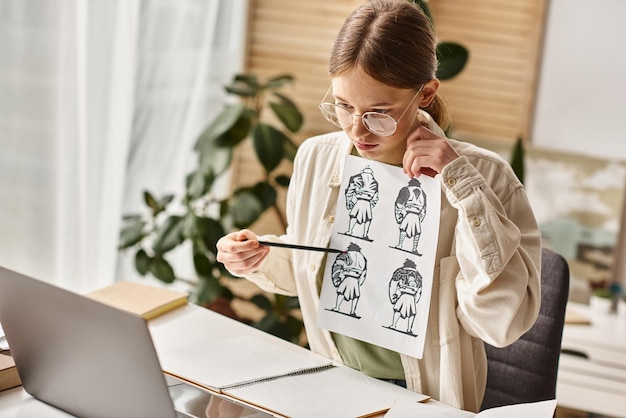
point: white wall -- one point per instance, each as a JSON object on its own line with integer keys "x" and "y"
{"x": 581, "y": 103}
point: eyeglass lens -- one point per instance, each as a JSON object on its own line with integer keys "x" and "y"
{"x": 377, "y": 123}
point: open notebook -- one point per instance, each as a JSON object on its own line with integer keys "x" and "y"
{"x": 285, "y": 379}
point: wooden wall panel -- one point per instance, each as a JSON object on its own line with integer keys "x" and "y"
{"x": 493, "y": 98}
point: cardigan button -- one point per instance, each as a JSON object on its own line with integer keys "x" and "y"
{"x": 451, "y": 182}
{"x": 331, "y": 219}
{"x": 476, "y": 222}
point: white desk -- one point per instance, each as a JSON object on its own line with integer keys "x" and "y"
{"x": 596, "y": 383}
{"x": 185, "y": 326}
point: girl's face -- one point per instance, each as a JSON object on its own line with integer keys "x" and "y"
{"x": 360, "y": 93}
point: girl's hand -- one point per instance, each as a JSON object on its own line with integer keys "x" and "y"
{"x": 426, "y": 153}
{"x": 240, "y": 252}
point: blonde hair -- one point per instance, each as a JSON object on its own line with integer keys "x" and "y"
{"x": 394, "y": 43}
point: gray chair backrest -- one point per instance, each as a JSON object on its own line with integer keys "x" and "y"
{"x": 526, "y": 370}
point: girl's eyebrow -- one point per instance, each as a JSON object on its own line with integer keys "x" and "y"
{"x": 381, "y": 104}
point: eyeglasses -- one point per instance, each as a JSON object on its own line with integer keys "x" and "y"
{"x": 377, "y": 123}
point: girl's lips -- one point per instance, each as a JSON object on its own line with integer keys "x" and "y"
{"x": 365, "y": 147}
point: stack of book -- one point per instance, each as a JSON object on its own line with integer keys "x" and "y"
{"x": 9, "y": 378}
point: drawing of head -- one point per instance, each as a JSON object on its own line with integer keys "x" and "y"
{"x": 414, "y": 182}
{"x": 354, "y": 247}
{"x": 367, "y": 170}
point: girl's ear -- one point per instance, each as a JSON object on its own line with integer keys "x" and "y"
{"x": 428, "y": 92}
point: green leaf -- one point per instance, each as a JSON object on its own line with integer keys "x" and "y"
{"x": 288, "y": 113}
{"x": 199, "y": 183}
{"x": 266, "y": 194}
{"x": 156, "y": 205}
{"x": 213, "y": 158}
{"x": 142, "y": 262}
{"x": 245, "y": 208}
{"x": 131, "y": 234}
{"x": 150, "y": 201}
{"x": 238, "y": 131}
{"x": 210, "y": 231}
{"x": 268, "y": 144}
{"x": 249, "y": 79}
{"x": 278, "y": 81}
{"x": 244, "y": 85}
{"x": 132, "y": 217}
{"x": 189, "y": 229}
{"x": 291, "y": 302}
{"x": 203, "y": 265}
{"x": 282, "y": 180}
{"x": 199, "y": 247}
{"x": 292, "y": 327}
{"x": 168, "y": 235}
{"x": 209, "y": 289}
{"x": 221, "y": 124}
{"x": 452, "y": 59}
{"x": 162, "y": 270}
{"x": 287, "y": 329}
{"x": 517, "y": 159}
{"x": 261, "y": 301}
{"x": 289, "y": 149}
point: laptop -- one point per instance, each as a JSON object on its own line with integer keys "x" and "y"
{"x": 90, "y": 359}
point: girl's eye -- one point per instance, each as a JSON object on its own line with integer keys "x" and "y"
{"x": 383, "y": 111}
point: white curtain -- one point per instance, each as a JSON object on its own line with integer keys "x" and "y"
{"x": 100, "y": 99}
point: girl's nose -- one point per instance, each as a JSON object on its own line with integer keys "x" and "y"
{"x": 358, "y": 128}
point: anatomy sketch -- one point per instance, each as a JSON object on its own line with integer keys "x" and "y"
{"x": 410, "y": 210}
{"x": 348, "y": 275}
{"x": 405, "y": 291}
{"x": 361, "y": 197}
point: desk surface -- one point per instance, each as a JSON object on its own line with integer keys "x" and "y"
{"x": 188, "y": 325}
{"x": 592, "y": 370}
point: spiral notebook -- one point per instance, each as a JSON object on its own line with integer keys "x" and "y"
{"x": 240, "y": 361}
{"x": 282, "y": 378}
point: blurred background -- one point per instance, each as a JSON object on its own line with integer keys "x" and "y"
{"x": 102, "y": 101}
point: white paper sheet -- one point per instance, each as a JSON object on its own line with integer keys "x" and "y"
{"x": 336, "y": 392}
{"x": 236, "y": 361}
{"x": 379, "y": 289}
{"x": 406, "y": 409}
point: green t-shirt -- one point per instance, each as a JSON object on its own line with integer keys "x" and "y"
{"x": 370, "y": 359}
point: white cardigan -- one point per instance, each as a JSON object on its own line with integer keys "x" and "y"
{"x": 486, "y": 283}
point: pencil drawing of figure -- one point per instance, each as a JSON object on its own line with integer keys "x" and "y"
{"x": 405, "y": 291}
{"x": 410, "y": 210}
{"x": 348, "y": 275}
{"x": 361, "y": 197}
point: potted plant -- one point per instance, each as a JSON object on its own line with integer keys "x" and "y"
{"x": 205, "y": 217}
{"x": 601, "y": 300}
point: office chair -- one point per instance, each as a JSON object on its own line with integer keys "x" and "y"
{"x": 526, "y": 370}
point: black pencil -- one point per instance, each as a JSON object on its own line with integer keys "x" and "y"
{"x": 300, "y": 247}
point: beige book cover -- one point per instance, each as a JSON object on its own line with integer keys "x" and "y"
{"x": 141, "y": 299}
{"x": 9, "y": 378}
